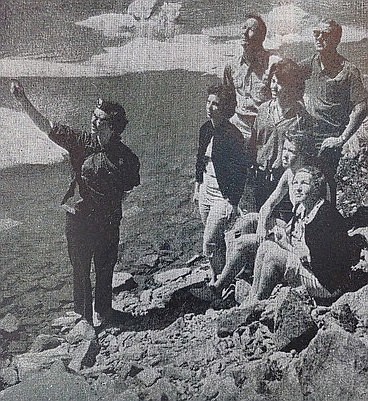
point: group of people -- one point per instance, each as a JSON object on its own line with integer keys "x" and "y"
{"x": 283, "y": 141}
{"x": 266, "y": 124}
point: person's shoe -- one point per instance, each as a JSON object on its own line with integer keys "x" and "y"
{"x": 228, "y": 292}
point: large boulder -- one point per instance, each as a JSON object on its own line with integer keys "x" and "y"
{"x": 54, "y": 384}
{"x": 334, "y": 367}
{"x": 219, "y": 388}
{"x": 293, "y": 324}
{"x": 32, "y": 362}
{"x": 357, "y": 301}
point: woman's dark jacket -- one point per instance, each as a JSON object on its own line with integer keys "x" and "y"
{"x": 228, "y": 156}
{"x": 330, "y": 247}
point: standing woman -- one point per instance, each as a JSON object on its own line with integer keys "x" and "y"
{"x": 221, "y": 170}
{"x": 283, "y": 113}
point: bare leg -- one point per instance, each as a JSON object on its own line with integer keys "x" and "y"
{"x": 214, "y": 246}
{"x": 239, "y": 252}
{"x": 269, "y": 269}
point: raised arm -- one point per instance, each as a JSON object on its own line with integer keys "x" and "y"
{"x": 41, "y": 121}
{"x": 275, "y": 198}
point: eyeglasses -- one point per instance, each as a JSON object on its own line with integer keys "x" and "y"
{"x": 323, "y": 34}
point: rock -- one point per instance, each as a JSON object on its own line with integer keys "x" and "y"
{"x": 218, "y": 388}
{"x": 148, "y": 376}
{"x": 294, "y": 326}
{"x": 289, "y": 388}
{"x": 334, "y": 367}
{"x": 127, "y": 395}
{"x": 9, "y": 324}
{"x": 45, "y": 341}
{"x": 122, "y": 281}
{"x": 171, "y": 275}
{"x": 357, "y": 301}
{"x": 84, "y": 355}
{"x": 36, "y": 361}
{"x": 68, "y": 321}
{"x": 8, "y": 376}
{"x": 82, "y": 331}
{"x": 234, "y": 318}
{"x": 345, "y": 317}
{"x": 242, "y": 289}
{"x": 146, "y": 296}
{"x": 148, "y": 260}
{"x": 163, "y": 390}
{"x": 54, "y": 384}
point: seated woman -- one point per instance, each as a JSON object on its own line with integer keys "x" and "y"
{"x": 284, "y": 112}
{"x": 249, "y": 230}
{"x": 313, "y": 251}
{"x": 221, "y": 170}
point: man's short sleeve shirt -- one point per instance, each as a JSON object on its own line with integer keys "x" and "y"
{"x": 332, "y": 92}
{"x": 251, "y": 82}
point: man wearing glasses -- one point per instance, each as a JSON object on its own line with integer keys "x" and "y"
{"x": 335, "y": 96}
{"x": 104, "y": 171}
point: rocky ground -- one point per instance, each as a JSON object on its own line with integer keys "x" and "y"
{"x": 166, "y": 343}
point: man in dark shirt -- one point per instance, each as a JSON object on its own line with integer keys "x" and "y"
{"x": 334, "y": 95}
{"x": 104, "y": 171}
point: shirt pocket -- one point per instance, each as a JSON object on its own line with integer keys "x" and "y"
{"x": 337, "y": 91}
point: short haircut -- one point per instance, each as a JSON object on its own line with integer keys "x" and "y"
{"x": 336, "y": 29}
{"x": 291, "y": 75}
{"x": 304, "y": 141}
{"x": 318, "y": 179}
{"x": 227, "y": 98}
{"x": 261, "y": 24}
{"x": 117, "y": 114}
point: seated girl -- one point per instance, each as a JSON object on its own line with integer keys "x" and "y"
{"x": 251, "y": 229}
{"x": 312, "y": 251}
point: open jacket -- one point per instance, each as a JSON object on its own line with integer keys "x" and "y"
{"x": 330, "y": 247}
{"x": 228, "y": 156}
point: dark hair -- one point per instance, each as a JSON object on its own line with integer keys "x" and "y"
{"x": 318, "y": 179}
{"x": 117, "y": 114}
{"x": 336, "y": 29}
{"x": 291, "y": 75}
{"x": 261, "y": 24}
{"x": 304, "y": 141}
{"x": 227, "y": 98}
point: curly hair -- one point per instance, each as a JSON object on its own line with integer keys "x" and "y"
{"x": 116, "y": 112}
{"x": 289, "y": 74}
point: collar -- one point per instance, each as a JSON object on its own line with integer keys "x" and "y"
{"x": 300, "y": 212}
{"x": 258, "y": 58}
{"x": 335, "y": 63}
{"x": 293, "y": 111}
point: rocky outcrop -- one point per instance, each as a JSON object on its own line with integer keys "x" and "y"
{"x": 285, "y": 349}
{"x": 53, "y": 384}
{"x": 293, "y": 324}
{"x": 333, "y": 367}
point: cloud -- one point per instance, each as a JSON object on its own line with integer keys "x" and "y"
{"x": 22, "y": 143}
